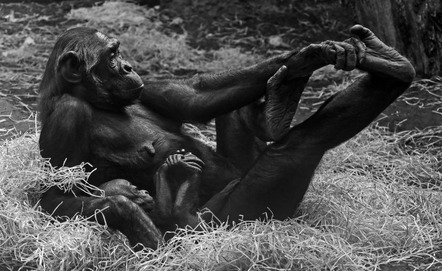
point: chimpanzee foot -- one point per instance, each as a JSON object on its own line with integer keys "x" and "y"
{"x": 187, "y": 161}
{"x": 380, "y": 58}
{"x": 125, "y": 188}
{"x": 367, "y": 52}
{"x": 282, "y": 99}
{"x": 177, "y": 185}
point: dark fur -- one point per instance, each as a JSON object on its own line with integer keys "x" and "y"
{"x": 93, "y": 111}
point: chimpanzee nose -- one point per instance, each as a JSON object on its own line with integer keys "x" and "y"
{"x": 127, "y": 68}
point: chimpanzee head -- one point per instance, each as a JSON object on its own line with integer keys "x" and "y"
{"x": 87, "y": 64}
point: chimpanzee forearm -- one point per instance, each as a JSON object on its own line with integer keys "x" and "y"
{"x": 209, "y": 95}
{"x": 116, "y": 211}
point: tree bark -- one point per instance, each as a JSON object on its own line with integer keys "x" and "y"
{"x": 413, "y": 27}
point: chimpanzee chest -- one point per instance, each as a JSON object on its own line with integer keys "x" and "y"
{"x": 133, "y": 145}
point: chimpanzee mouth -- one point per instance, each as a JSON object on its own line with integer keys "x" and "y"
{"x": 133, "y": 89}
{"x": 128, "y": 96}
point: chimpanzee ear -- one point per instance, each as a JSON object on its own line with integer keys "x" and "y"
{"x": 69, "y": 65}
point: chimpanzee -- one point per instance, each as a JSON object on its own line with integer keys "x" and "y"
{"x": 95, "y": 108}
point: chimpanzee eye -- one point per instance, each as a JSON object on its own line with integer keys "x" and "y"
{"x": 113, "y": 62}
{"x": 113, "y": 57}
{"x": 114, "y": 51}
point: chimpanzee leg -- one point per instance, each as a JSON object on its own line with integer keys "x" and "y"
{"x": 236, "y": 142}
{"x": 242, "y": 134}
{"x": 177, "y": 184}
{"x": 281, "y": 175}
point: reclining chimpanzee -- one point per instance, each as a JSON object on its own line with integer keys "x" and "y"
{"x": 96, "y": 109}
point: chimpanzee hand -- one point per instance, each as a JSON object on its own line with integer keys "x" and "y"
{"x": 344, "y": 55}
{"x": 314, "y": 56}
{"x": 282, "y": 97}
{"x": 125, "y": 188}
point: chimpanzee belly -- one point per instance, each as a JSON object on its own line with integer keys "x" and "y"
{"x": 140, "y": 143}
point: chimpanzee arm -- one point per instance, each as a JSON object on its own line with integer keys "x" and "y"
{"x": 64, "y": 138}
{"x": 206, "y": 96}
{"x": 116, "y": 211}
{"x": 64, "y": 135}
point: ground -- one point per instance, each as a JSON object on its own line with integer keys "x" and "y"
{"x": 375, "y": 203}
{"x": 29, "y": 30}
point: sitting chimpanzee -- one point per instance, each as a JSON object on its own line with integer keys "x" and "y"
{"x": 96, "y": 109}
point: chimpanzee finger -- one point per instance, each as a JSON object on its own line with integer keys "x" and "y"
{"x": 193, "y": 158}
{"x": 175, "y": 158}
{"x": 194, "y": 166}
{"x": 189, "y": 154}
{"x": 329, "y": 51}
{"x": 168, "y": 161}
{"x": 360, "y": 47}
{"x": 351, "y": 59}
{"x": 340, "y": 57}
{"x": 275, "y": 81}
{"x": 194, "y": 163}
{"x": 171, "y": 159}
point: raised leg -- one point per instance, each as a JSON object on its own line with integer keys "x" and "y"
{"x": 236, "y": 142}
{"x": 177, "y": 185}
{"x": 242, "y": 134}
{"x": 271, "y": 119}
{"x": 279, "y": 178}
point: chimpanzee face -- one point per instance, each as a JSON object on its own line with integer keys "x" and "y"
{"x": 115, "y": 78}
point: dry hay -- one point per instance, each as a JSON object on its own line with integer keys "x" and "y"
{"x": 363, "y": 210}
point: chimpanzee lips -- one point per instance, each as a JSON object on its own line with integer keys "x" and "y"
{"x": 127, "y": 96}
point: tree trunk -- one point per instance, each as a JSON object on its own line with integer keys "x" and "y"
{"x": 413, "y": 27}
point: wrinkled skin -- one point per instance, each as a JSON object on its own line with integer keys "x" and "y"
{"x": 95, "y": 108}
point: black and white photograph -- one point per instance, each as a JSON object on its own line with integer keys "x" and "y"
{"x": 221, "y": 135}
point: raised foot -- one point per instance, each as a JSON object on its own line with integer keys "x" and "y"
{"x": 177, "y": 185}
{"x": 381, "y": 58}
{"x": 185, "y": 162}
